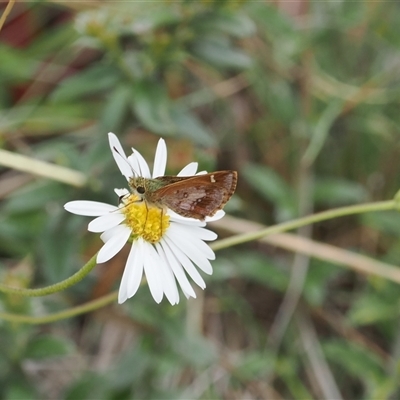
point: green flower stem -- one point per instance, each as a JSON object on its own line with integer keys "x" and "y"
{"x": 57, "y": 287}
{"x": 310, "y": 219}
{"x": 72, "y": 312}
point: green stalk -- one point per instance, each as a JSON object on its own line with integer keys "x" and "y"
{"x": 57, "y": 287}
{"x": 72, "y": 312}
{"x": 310, "y": 219}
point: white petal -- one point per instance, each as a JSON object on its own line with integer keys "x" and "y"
{"x": 184, "y": 220}
{"x": 196, "y": 250}
{"x": 119, "y": 155}
{"x": 121, "y": 192}
{"x": 160, "y": 159}
{"x": 109, "y": 233}
{"x": 218, "y": 215}
{"x": 132, "y": 274}
{"x": 123, "y": 287}
{"x": 178, "y": 270}
{"x": 89, "y": 208}
{"x": 136, "y": 274}
{"x": 189, "y": 170}
{"x": 139, "y": 164}
{"x": 105, "y": 222}
{"x": 187, "y": 264}
{"x": 187, "y": 295}
{"x": 202, "y": 263}
{"x": 114, "y": 244}
{"x": 151, "y": 262}
{"x": 183, "y": 238}
{"x": 200, "y": 233}
{"x": 134, "y": 163}
{"x": 168, "y": 280}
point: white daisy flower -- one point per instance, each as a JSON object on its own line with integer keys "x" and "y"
{"x": 164, "y": 245}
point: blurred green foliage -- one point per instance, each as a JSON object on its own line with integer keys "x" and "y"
{"x": 310, "y": 94}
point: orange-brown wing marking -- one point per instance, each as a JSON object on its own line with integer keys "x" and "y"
{"x": 199, "y": 196}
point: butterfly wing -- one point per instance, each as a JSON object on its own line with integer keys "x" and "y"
{"x": 198, "y": 196}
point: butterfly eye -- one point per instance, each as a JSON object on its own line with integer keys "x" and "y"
{"x": 140, "y": 189}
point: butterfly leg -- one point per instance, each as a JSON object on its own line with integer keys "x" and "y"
{"x": 161, "y": 227}
{"x": 145, "y": 221}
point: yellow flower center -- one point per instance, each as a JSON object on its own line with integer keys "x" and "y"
{"x": 146, "y": 220}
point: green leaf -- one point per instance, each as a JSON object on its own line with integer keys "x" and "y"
{"x": 15, "y": 65}
{"x": 353, "y": 359}
{"x": 130, "y": 368}
{"x": 38, "y": 193}
{"x": 17, "y": 231}
{"x": 336, "y": 192}
{"x": 320, "y": 275}
{"x": 192, "y": 349}
{"x": 50, "y": 40}
{"x": 272, "y": 19}
{"x": 59, "y": 245}
{"x": 157, "y": 113}
{"x": 276, "y": 94}
{"x": 297, "y": 387}
{"x": 219, "y": 52}
{"x": 20, "y": 390}
{"x": 236, "y": 24}
{"x": 260, "y": 269}
{"x": 152, "y": 16}
{"x": 370, "y": 309}
{"x": 152, "y": 107}
{"x": 271, "y": 187}
{"x": 388, "y": 222}
{"x": 254, "y": 365}
{"x": 47, "y": 346}
{"x": 98, "y": 78}
{"x": 115, "y": 109}
{"x": 188, "y": 126}
{"x": 45, "y": 119}
{"x": 90, "y": 386}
